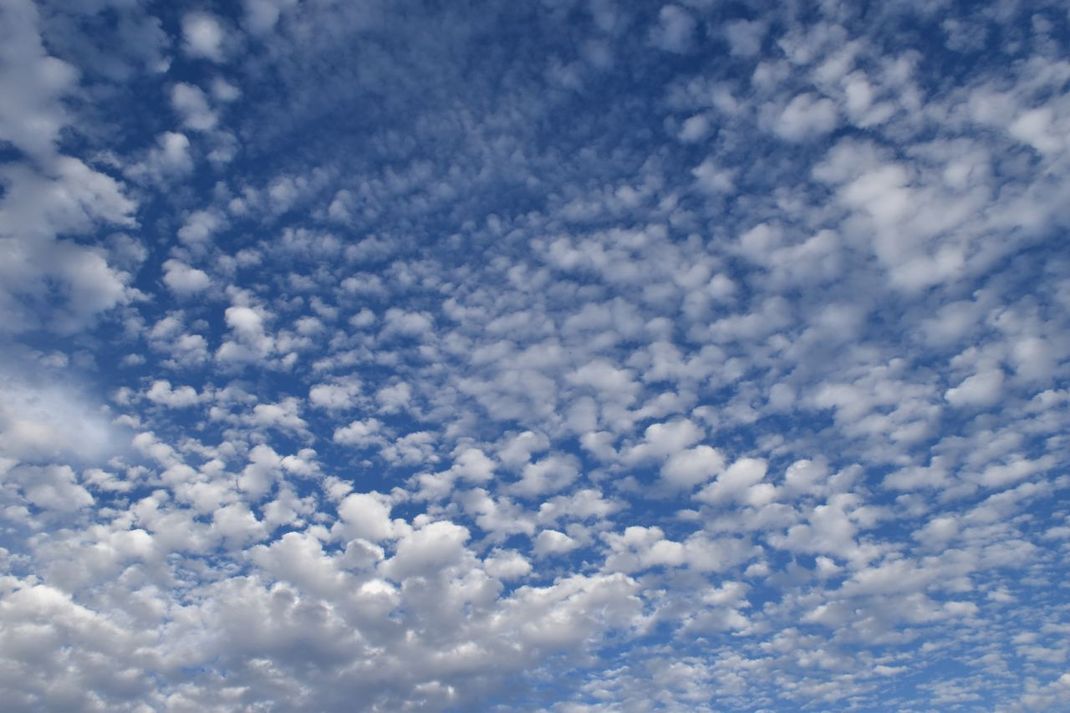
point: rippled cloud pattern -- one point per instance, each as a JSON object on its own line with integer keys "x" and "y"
{"x": 568, "y": 355}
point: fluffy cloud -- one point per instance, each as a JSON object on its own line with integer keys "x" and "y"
{"x": 48, "y": 416}
{"x": 688, "y": 358}
{"x": 182, "y": 279}
{"x": 675, "y": 29}
{"x": 67, "y": 283}
{"x": 203, "y": 36}
{"x": 192, "y": 105}
{"x": 33, "y": 80}
{"x": 366, "y": 515}
{"x": 692, "y": 466}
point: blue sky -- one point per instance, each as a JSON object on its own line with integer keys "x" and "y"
{"x": 568, "y": 356}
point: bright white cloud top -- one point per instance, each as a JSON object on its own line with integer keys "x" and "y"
{"x": 569, "y": 356}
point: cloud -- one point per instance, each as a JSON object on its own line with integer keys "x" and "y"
{"x": 199, "y": 226}
{"x": 33, "y": 81}
{"x": 806, "y": 117}
{"x": 161, "y": 392}
{"x": 548, "y": 475}
{"x": 739, "y": 481}
{"x": 675, "y": 29}
{"x": 169, "y": 159}
{"x": 427, "y": 550}
{"x": 192, "y": 106}
{"x": 261, "y": 16}
{"x": 365, "y": 515}
{"x": 981, "y": 389}
{"x": 553, "y": 542}
{"x": 250, "y": 340}
{"x": 688, "y": 356}
{"x": 359, "y": 433}
{"x": 182, "y": 279}
{"x": 50, "y": 487}
{"x": 692, "y": 466}
{"x": 45, "y": 418}
{"x": 203, "y": 36}
{"x": 745, "y": 36}
{"x": 34, "y": 211}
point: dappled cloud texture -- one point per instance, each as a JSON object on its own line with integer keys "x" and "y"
{"x": 565, "y": 355}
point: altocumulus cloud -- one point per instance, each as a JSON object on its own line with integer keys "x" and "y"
{"x": 574, "y": 355}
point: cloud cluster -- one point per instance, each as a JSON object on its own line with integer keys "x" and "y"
{"x": 576, "y": 356}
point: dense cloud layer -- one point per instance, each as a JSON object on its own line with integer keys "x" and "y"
{"x": 570, "y": 356}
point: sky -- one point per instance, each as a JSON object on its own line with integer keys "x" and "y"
{"x": 578, "y": 356}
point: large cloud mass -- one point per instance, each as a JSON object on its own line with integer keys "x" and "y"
{"x": 569, "y": 356}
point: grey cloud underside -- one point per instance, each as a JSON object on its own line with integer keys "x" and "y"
{"x": 572, "y": 357}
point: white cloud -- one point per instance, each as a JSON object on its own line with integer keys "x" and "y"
{"x": 553, "y": 542}
{"x": 664, "y": 439}
{"x": 472, "y": 464}
{"x": 41, "y": 420}
{"x": 547, "y": 475}
{"x": 283, "y": 415}
{"x": 507, "y": 565}
{"x": 408, "y": 324}
{"x": 261, "y": 16}
{"x": 182, "y": 279}
{"x": 250, "y": 341}
{"x": 199, "y": 226}
{"x": 745, "y": 36}
{"x": 34, "y": 211}
{"x": 168, "y": 160}
{"x": 427, "y": 550}
{"x": 693, "y": 466}
{"x": 203, "y": 36}
{"x": 258, "y": 477}
{"x": 32, "y": 82}
{"x": 192, "y": 105}
{"x": 806, "y": 117}
{"x": 52, "y": 487}
{"x": 981, "y": 389}
{"x": 640, "y": 548}
{"x": 359, "y": 433}
{"x": 693, "y": 129}
{"x": 161, "y": 392}
{"x": 740, "y": 481}
{"x": 443, "y": 384}
{"x": 336, "y": 396}
{"x": 675, "y": 29}
{"x": 365, "y": 515}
